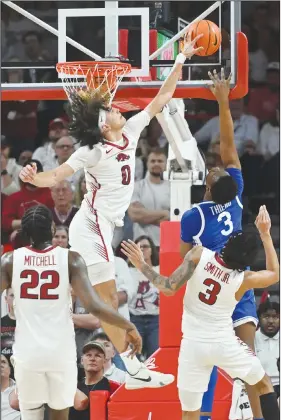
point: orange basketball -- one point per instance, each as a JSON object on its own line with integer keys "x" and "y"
{"x": 211, "y": 39}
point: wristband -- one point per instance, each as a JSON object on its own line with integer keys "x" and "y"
{"x": 180, "y": 59}
{"x": 4, "y": 172}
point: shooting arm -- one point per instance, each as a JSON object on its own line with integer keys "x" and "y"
{"x": 170, "y": 285}
{"x": 6, "y": 270}
{"x": 228, "y": 149}
{"x": 88, "y": 297}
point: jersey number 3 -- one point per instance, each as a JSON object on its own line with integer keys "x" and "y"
{"x": 210, "y": 296}
{"x": 33, "y": 282}
{"x": 225, "y": 216}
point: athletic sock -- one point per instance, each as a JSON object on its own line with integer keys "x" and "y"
{"x": 269, "y": 406}
{"x": 132, "y": 365}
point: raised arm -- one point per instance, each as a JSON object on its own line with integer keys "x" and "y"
{"x": 167, "y": 285}
{"x": 167, "y": 90}
{"x": 228, "y": 151}
{"x": 6, "y": 270}
{"x": 264, "y": 278}
{"x": 82, "y": 288}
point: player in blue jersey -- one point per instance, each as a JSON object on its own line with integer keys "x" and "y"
{"x": 213, "y": 221}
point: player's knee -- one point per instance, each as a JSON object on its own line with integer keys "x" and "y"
{"x": 31, "y": 411}
{"x": 190, "y": 401}
{"x": 264, "y": 386}
{"x": 256, "y": 373}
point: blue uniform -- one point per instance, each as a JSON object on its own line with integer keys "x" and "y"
{"x": 210, "y": 225}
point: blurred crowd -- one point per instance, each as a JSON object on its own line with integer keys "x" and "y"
{"x": 37, "y": 131}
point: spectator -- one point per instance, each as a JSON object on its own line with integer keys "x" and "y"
{"x": 126, "y": 288}
{"x": 150, "y": 203}
{"x": 28, "y": 196}
{"x": 24, "y": 157}
{"x": 4, "y": 235}
{"x": 93, "y": 361}
{"x": 110, "y": 370}
{"x": 61, "y": 237}
{"x": 7, "y": 387}
{"x": 246, "y": 127}
{"x": 144, "y": 308}
{"x": 8, "y": 325}
{"x": 46, "y": 154}
{"x": 9, "y": 170}
{"x": 258, "y": 60}
{"x": 269, "y": 141}
{"x": 263, "y": 100}
{"x": 19, "y": 118}
{"x": 85, "y": 324}
{"x": 33, "y": 51}
{"x": 267, "y": 340}
{"x": 64, "y": 210}
{"x": 64, "y": 147}
{"x": 81, "y": 190}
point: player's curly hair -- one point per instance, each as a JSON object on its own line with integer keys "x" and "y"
{"x": 36, "y": 225}
{"x": 241, "y": 249}
{"x": 224, "y": 190}
{"x": 83, "y": 111}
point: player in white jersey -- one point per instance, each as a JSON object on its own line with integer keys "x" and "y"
{"x": 44, "y": 351}
{"x": 216, "y": 282}
{"x": 107, "y": 154}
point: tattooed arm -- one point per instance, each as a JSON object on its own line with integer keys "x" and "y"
{"x": 167, "y": 285}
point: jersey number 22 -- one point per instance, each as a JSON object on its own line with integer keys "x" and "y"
{"x": 33, "y": 282}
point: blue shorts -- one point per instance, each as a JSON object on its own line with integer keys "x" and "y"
{"x": 245, "y": 310}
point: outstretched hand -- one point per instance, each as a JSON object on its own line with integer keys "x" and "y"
{"x": 27, "y": 174}
{"x": 188, "y": 47}
{"x": 263, "y": 222}
{"x": 221, "y": 85}
{"x": 133, "y": 252}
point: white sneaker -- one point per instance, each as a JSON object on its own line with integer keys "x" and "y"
{"x": 146, "y": 378}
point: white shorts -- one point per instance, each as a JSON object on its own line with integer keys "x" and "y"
{"x": 91, "y": 234}
{"x": 55, "y": 388}
{"x": 197, "y": 359}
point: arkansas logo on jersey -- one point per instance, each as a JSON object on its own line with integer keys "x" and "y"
{"x": 121, "y": 157}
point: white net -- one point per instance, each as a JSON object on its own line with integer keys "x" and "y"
{"x": 92, "y": 79}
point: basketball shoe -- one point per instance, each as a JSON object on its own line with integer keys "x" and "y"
{"x": 147, "y": 378}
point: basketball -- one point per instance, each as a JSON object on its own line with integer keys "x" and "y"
{"x": 211, "y": 39}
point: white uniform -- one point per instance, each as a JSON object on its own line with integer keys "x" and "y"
{"x": 208, "y": 336}
{"x": 44, "y": 351}
{"x": 109, "y": 171}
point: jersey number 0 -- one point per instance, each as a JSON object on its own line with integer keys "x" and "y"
{"x": 33, "y": 282}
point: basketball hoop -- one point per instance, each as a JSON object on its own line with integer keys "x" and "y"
{"x": 92, "y": 79}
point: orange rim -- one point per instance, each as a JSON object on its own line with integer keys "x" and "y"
{"x": 96, "y": 68}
